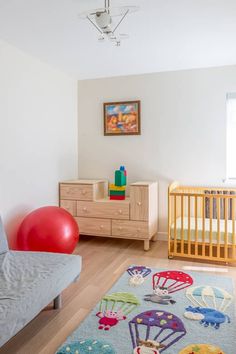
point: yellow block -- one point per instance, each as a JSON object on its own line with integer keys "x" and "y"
{"x": 113, "y": 187}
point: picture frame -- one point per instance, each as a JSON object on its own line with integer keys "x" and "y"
{"x": 122, "y": 118}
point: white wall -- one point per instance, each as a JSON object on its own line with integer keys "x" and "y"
{"x": 38, "y": 134}
{"x": 183, "y": 128}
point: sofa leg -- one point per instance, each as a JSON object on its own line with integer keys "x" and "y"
{"x": 57, "y": 302}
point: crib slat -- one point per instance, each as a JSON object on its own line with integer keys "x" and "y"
{"x": 196, "y": 228}
{"x": 218, "y": 228}
{"x": 211, "y": 211}
{"x": 175, "y": 228}
{"x": 189, "y": 226}
{"x": 182, "y": 224}
{"x": 226, "y": 229}
{"x": 203, "y": 226}
{"x": 233, "y": 227}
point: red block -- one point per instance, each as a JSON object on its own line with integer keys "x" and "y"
{"x": 117, "y": 197}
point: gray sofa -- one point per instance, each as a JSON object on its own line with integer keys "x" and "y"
{"x": 29, "y": 281}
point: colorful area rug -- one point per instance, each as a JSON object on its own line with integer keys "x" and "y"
{"x": 153, "y": 311}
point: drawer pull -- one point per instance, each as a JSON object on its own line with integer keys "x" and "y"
{"x": 101, "y": 227}
{"x": 138, "y": 230}
{"x": 84, "y": 192}
{"x": 120, "y": 211}
{"x": 120, "y": 228}
{"x": 84, "y": 209}
{"x": 139, "y": 203}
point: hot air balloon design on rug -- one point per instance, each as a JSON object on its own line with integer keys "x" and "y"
{"x": 166, "y": 283}
{"x": 87, "y": 346}
{"x": 210, "y": 303}
{"x": 115, "y": 308}
{"x": 156, "y": 326}
{"x": 201, "y": 349}
{"x": 138, "y": 274}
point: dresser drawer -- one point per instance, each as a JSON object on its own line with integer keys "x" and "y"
{"x": 76, "y": 191}
{"x": 93, "y": 226}
{"x": 69, "y": 205}
{"x": 83, "y": 190}
{"x": 103, "y": 209}
{"x": 130, "y": 229}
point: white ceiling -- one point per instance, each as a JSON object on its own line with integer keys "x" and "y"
{"x": 164, "y": 35}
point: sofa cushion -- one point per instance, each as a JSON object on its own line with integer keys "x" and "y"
{"x": 3, "y": 239}
{"x": 29, "y": 282}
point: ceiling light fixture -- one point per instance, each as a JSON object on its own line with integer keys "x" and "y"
{"x": 108, "y": 19}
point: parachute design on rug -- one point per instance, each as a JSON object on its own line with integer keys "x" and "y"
{"x": 115, "y": 308}
{"x": 209, "y": 296}
{"x": 88, "y": 346}
{"x": 138, "y": 274}
{"x": 201, "y": 349}
{"x": 166, "y": 283}
{"x": 158, "y": 326}
{"x": 172, "y": 280}
{"x": 210, "y": 304}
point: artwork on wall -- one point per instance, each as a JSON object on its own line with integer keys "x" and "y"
{"x": 122, "y": 118}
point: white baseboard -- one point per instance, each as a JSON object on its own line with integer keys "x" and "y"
{"x": 162, "y": 236}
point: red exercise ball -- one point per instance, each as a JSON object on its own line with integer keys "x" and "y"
{"x": 48, "y": 229}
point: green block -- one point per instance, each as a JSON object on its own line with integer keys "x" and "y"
{"x": 117, "y": 192}
{"x": 120, "y": 178}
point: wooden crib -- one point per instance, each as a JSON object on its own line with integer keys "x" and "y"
{"x": 201, "y": 223}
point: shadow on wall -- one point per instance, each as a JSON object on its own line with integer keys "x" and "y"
{"x": 163, "y": 184}
{"x": 12, "y": 223}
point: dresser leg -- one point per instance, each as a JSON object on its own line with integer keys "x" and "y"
{"x": 146, "y": 245}
{"x": 154, "y": 238}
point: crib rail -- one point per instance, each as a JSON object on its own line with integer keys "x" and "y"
{"x": 201, "y": 223}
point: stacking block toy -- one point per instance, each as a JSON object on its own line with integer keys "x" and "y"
{"x": 120, "y": 179}
{"x": 117, "y": 197}
{"x": 122, "y": 169}
{"x": 117, "y": 190}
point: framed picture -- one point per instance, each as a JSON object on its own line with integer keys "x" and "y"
{"x": 122, "y": 118}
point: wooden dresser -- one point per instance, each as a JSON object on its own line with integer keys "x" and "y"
{"x": 97, "y": 215}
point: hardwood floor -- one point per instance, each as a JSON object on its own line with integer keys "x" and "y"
{"x": 104, "y": 260}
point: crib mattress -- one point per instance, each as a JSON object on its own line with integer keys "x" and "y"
{"x": 29, "y": 281}
{"x": 200, "y": 228}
